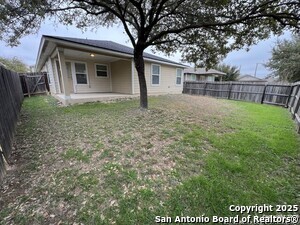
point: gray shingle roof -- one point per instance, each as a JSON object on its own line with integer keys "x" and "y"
{"x": 202, "y": 71}
{"x": 111, "y": 46}
{"x": 248, "y": 77}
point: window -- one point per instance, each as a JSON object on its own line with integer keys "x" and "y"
{"x": 191, "y": 77}
{"x": 81, "y": 74}
{"x": 101, "y": 70}
{"x": 179, "y": 76}
{"x": 155, "y": 78}
{"x": 210, "y": 78}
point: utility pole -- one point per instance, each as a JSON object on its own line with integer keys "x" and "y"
{"x": 256, "y": 68}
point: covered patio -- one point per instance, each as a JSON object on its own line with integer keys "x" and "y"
{"x": 81, "y": 70}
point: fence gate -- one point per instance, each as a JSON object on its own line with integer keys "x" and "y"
{"x": 34, "y": 83}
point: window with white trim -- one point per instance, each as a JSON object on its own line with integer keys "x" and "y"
{"x": 179, "y": 73}
{"x": 101, "y": 70}
{"x": 210, "y": 78}
{"x": 81, "y": 73}
{"x": 155, "y": 74}
{"x": 191, "y": 77}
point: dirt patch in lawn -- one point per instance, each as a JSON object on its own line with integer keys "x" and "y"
{"x": 69, "y": 161}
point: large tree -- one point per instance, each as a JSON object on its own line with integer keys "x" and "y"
{"x": 285, "y": 60}
{"x": 204, "y": 30}
{"x": 14, "y": 64}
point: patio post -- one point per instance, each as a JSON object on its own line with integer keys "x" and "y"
{"x": 63, "y": 70}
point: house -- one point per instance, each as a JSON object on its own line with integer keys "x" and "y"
{"x": 250, "y": 78}
{"x": 201, "y": 74}
{"x": 273, "y": 78}
{"x": 82, "y": 70}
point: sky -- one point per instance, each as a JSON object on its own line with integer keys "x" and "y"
{"x": 247, "y": 61}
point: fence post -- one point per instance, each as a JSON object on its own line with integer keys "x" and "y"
{"x": 27, "y": 86}
{"x": 263, "y": 94}
{"x": 288, "y": 99}
{"x": 185, "y": 91}
{"x": 229, "y": 91}
{"x": 296, "y": 107}
{"x": 204, "y": 91}
{"x": 294, "y": 99}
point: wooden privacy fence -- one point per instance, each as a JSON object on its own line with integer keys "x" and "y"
{"x": 286, "y": 95}
{"x": 34, "y": 83}
{"x": 11, "y": 97}
{"x": 294, "y": 103}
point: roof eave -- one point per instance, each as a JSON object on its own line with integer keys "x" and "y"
{"x": 103, "y": 50}
{"x": 37, "y": 61}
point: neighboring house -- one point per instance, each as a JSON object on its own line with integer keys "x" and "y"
{"x": 272, "y": 79}
{"x": 250, "y": 78}
{"x": 79, "y": 67}
{"x": 201, "y": 74}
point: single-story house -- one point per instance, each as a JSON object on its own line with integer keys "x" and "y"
{"x": 82, "y": 70}
{"x": 250, "y": 78}
{"x": 202, "y": 74}
{"x": 272, "y": 78}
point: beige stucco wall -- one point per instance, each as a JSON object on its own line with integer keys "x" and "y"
{"x": 48, "y": 70}
{"x": 53, "y": 83}
{"x": 167, "y": 80}
{"x": 119, "y": 79}
{"x": 95, "y": 84}
{"x": 121, "y": 76}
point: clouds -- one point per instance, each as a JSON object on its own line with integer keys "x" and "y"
{"x": 27, "y": 50}
{"x": 256, "y": 56}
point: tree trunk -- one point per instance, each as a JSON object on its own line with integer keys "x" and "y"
{"x": 140, "y": 67}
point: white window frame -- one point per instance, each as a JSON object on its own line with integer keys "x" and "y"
{"x": 74, "y": 72}
{"x": 189, "y": 77}
{"x": 108, "y": 70}
{"x": 210, "y": 78}
{"x": 159, "y": 75}
{"x": 181, "y": 76}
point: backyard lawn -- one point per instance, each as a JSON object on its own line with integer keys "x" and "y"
{"x": 111, "y": 163}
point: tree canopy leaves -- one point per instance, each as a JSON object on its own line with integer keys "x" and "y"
{"x": 285, "y": 60}
{"x": 232, "y": 72}
{"x": 204, "y": 31}
{"x": 14, "y": 64}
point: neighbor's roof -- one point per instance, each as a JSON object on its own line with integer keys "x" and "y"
{"x": 111, "y": 46}
{"x": 250, "y": 78}
{"x": 202, "y": 71}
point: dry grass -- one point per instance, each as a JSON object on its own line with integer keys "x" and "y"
{"x": 88, "y": 163}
